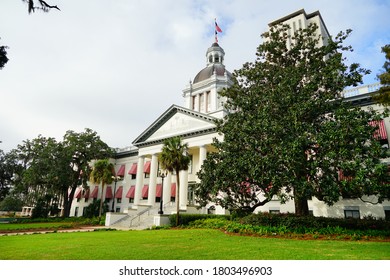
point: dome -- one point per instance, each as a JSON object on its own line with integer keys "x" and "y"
{"x": 207, "y": 72}
{"x": 214, "y": 59}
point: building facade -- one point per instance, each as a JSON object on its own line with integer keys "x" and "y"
{"x": 138, "y": 186}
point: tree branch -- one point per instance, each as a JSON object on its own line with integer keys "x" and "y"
{"x": 366, "y": 201}
{"x": 44, "y": 6}
{"x": 43, "y": 3}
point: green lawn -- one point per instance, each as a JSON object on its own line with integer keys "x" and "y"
{"x": 27, "y": 226}
{"x": 188, "y": 244}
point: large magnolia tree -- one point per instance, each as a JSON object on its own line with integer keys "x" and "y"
{"x": 290, "y": 134}
{"x": 383, "y": 95}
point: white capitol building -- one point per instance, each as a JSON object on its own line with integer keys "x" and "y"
{"x": 136, "y": 194}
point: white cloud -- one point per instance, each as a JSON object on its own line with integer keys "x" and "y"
{"x": 115, "y": 66}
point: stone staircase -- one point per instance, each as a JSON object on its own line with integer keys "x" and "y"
{"x": 141, "y": 218}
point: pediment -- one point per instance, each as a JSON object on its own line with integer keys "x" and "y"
{"x": 176, "y": 121}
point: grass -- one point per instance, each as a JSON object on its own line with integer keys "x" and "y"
{"x": 186, "y": 244}
{"x": 28, "y": 226}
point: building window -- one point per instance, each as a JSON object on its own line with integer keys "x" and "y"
{"x": 208, "y": 101}
{"x": 193, "y": 102}
{"x": 86, "y": 199}
{"x": 201, "y": 102}
{"x": 118, "y": 200}
{"x": 351, "y": 214}
{"x": 107, "y": 200}
{"x": 191, "y": 193}
{"x": 133, "y": 176}
{"x": 84, "y": 211}
{"x": 190, "y": 165}
{"x": 117, "y": 209}
{"x": 131, "y": 200}
{"x": 274, "y": 211}
{"x": 76, "y": 211}
{"x": 78, "y": 199}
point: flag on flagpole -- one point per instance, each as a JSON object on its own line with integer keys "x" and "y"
{"x": 217, "y": 29}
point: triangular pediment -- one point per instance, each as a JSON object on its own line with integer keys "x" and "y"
{"x": 176, "y": 121}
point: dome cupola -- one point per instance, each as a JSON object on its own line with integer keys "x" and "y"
{"x": 215, "y": 56}
{"x": 202, "y": 94}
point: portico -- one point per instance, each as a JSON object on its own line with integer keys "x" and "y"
{"x": 148, "y": 169}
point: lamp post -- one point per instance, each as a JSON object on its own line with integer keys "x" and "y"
{"x": 162, "y": 175}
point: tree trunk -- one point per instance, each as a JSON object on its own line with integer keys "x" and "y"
{"x": 68, "y": 202}
{"x": 177, "y": 196}
{"x": 101, "y": 202}
{"x": 301, "y": 205}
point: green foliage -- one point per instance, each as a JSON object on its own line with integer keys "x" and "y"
{"x": 42, "y": 207}
{"x": 383, "y": 95}
{"x": 93, "y": 209}
{"x": 8, "y": 173}
{"x": 186, "y": 219}
{"x": 174, "y": 155}
{"x": 46, "y": 166}
{"x": 11, "y": 203}
{"x": 287, "y": 224}
{"x": 103, "y": 173}
{"x": 290, "y": 133}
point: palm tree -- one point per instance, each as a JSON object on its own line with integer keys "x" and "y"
{"x": 103, "y": 172}
{"x": 174, "y": 157}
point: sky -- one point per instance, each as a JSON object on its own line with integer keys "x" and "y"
{"x": 116, "y": 66}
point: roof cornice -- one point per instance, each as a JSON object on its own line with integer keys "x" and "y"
{"x": 141, "y": 140}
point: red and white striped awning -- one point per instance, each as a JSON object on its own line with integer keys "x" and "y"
{"x": 380, "y": 133}
{"x": 121, "y": 171}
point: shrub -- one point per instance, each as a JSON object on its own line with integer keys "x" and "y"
{"x": 301, "y": 223}
{"x": 92, "y": 209}
{"x": 186, "y": 219}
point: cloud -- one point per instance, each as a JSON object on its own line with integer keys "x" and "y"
{"x": 115, "y": 66}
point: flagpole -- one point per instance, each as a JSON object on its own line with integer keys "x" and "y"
{"x": 217, "y": 29}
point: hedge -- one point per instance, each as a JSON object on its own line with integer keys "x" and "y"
{"x": 186, "y": 219}
{"x": 295, "y": 222}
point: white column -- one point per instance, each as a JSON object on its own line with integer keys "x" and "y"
{"x": 153, "y": 180}
{"x": 202, "y": 155}
{"x": 183, "y": 189}
{"x": 167, "y": 188}
{"x": 139, "y": 183}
